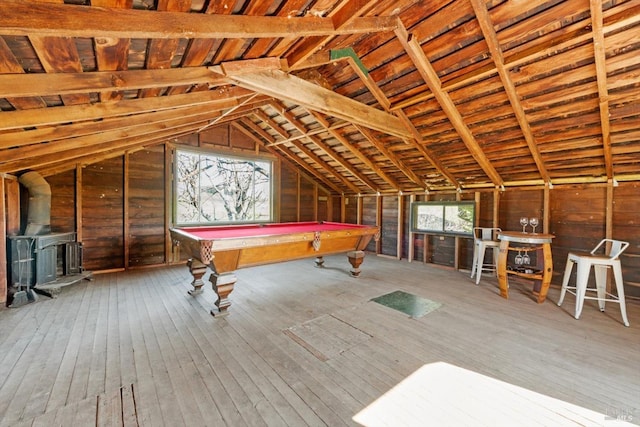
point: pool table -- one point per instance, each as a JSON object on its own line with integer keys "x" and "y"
{"x": 225, "y": 249}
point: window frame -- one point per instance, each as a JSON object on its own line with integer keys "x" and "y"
{"x": 441, "y": 206}
{"x": 229, "y": 155}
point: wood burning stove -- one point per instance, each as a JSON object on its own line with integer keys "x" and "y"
{"x": 42, "y": 259}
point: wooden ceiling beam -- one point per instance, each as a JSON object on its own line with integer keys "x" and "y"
{"x": 94, "y": 146}
{"x": 44, "y": 84}
{"x": 356, "y": 152}
{"x": 391, "y": 156}
{"x": 347, "y": 12}
{"x": 612, "y": 24}
{"x": 330, "y": 152}
{"x": 60, "y": 55}
{"x": 430, "y": 76}
{"x": 10, "y": 65}
{"x": 240, "y": 125}
{"x": 25, "y": 157}
{"x": 419, "y": 143}
{"x": 281, "y": 85}
{"x": 327, "y": 167}
{"x": 345, "y": 164}
{"x": 601, "y": 76}
{"x": 57, "y": 115}
{"x": 491, "y": 38}
{"x": 286, "y": 159}
{"x": 23, "y": 18}
{"x": 21, "y": 138}
{"x": 314, "y": 157}
{"x": 416, "y": 141}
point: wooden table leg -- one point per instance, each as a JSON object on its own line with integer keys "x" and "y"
{"x": 222, "y": 285}
{"x": 355, "y": 259}
{"x": 197, "y": 270}
{"x": 547, "y": 272}
{"x": 503, "y": 281}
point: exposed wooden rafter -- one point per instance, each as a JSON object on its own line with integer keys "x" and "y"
{"x": 19, "y": 119}
{"x": 430, "y": 76}
{"x": 353, "y": 150}
{"x": 301, "y": 92}
{"x": 318, "y": 142}
{"x": 601, "y": 76}
{"x": 18, "y": 17}
{"x": 491, "y": 38}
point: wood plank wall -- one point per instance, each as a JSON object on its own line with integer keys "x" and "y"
{"x": 122, "y": 211}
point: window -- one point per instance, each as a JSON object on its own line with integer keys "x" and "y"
{"x": 443, "y": 217}
{"x": 216, "y": 189}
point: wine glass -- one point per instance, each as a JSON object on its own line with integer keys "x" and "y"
{"x": 526, "y": 260}
{"x": 518, "y": 259}
{"x": 523, "y": 222}
{"x": 534, "y": 223}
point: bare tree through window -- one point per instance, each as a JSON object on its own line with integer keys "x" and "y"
{"x": 212, "y": 188}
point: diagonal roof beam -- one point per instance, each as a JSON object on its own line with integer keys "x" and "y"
{"x": 414, "y": 50}
{"x": 391, "y": 156}
{"x": 252, "y": 130}
{"x": 44, "y": 84}
{"x": 70, "y": 151}
{"x": 356, "y": 152}
{"x": 281, "y": 85}
{"x": 76, "y": 113}
{"x": 34, "y": 136}
{"x": 601, "y": 75}
{"x": 416, "y": 141}
{"x": 9, "y": 64}
{"x": 286, "y": 159}
{"x": 323, "y": 165}
{"x": 346, "y": 12}
{"x": 490, "y": 36}
{"x": 318, "y": 142}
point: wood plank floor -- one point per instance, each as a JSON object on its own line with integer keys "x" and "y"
{"x": 300, "y": 346}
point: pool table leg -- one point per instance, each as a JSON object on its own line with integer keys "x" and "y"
{"x": 197, "y": 270}
{"x": 222, "y": 285}
{"x": 355, "y": 259}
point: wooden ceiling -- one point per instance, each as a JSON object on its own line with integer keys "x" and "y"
{"x": 361, "y": 96}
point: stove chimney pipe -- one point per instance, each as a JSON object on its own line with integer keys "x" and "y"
{"x": 39, "y": 208}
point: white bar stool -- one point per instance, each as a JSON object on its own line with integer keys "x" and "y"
{"x": 601, "y": 264}
{"x": 483, "y": 238}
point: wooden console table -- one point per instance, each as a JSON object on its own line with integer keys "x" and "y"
{"x": 525, "y": 242}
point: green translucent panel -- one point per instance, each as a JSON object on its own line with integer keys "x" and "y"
{"x": 409, "y": 304}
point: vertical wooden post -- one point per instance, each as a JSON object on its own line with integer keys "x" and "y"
{"x": 298, "y": 197}
{"x": 400, "y": 225}
{"x": 496, "y": 207}
{"x": 545, "y": 208}
{"x": 169, "y": 256}
{"x": 411, "y": 249}
{"x": 125, "y": 208}
{"x": 425, "y": 240}
{"x": 609, "y": 211}
{"x": 608, "y": 229}
{"x": 78, "y": 194}
{"x": 9, "y": 225}
{"x": 476, "y": 197}
{"x": 456, "y": 242}
{"x": 3, "y": 247}
{"x": 316, "y": 202}
{"x": 379, "y": 222}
